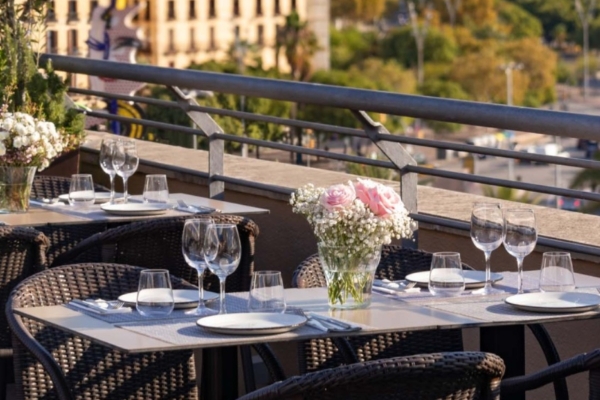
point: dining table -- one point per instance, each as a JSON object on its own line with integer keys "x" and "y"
{"x": 501, "y": 324}
{"x": 42, "y": 212}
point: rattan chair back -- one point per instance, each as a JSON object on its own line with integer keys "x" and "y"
{"x": 450, "y": 376}
{"x": 157, "y": 244}
{"x": 52, "y": 364}
{"x": 396, "y": 263}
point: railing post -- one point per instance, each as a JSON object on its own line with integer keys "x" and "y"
{"x": 400, "y": 158}
{"x": 216, "y": 147}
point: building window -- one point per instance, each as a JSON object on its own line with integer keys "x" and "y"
{"x": 50, "y": 14}
{"x": 212, "y": 10}
{"x": 72, "y": 44}
{"x": 171, "y": 12}
{"x": 293, "y": 4}
{"x": 236, "y": 32}
{"x": 72, "y": 10}
{"x": 211, "y": 39}
{"x": 148, "y": 10}
{"x": 258, "y": 7}
{"x": 277, "y": 8}
{"x": 192, "y": 39}
{"x": 260, "y": 35}
{"x": 236, "y": 8}
{"x": 171, "y": 40}
{"x": 51, "y": 42}
{"x": 192, "y": 9}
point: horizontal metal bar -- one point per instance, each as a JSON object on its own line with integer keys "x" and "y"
{"x": 146, "y": 122}
{"x": 503, "y": 182}
{"x": 440, "y": 109}
{"x": 542, "y": 240}
{"x": 469, "y": 148}
{"x": 254, "y": 185}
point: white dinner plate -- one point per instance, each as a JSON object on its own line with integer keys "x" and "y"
{"x": 135, "y": 209}
{"x": 555, "y": 302}
{"x": 99, "y": 197}
{"x": 473, "y": 279}
{"x": 183, "y": 298}
{"x": 252, "y": 323}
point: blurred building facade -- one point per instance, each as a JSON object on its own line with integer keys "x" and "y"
{"x": 177, "y": 33}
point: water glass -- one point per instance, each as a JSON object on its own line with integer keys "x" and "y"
{"x": 556, "y": 274}
{"x": 266, "y": 292}
{"x": 81, "y": 190}
{"x": 446, "y": 275}
{"x": 155, "y": 294}
{"x": 156, "y": 189}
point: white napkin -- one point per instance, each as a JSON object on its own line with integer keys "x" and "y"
{"x": 98, "y": 308}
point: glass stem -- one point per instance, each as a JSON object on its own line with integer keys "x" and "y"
{"x": 201, "y": 289}
{"x": 125, "y": 195}
{"x": 222, "y": 296}
{"x": 112, "y": 188}
{"x": 488, "y": 269}
{"x": 520, "y": 275}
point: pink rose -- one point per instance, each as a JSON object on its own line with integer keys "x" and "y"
{"x": 338, "y": 196}
{"x": 381, "y": 199}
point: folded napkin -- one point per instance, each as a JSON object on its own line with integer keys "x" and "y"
{"x": 98, "y": 307}
{"x": 328, "y": 324}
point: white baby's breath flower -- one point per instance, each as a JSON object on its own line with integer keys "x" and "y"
{"x": 20, "y": 129}
{"x": 7, "y": 124}
{"x": 18, "y": 142}
{"x": 2, "y": 149}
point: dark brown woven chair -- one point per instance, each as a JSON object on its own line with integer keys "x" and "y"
{"x": 450, "y": 376}
{"x": 22, "y": 253}
{"x": 559, "y": 371}
{"x": 52, "y": 364}
{"x": 62, "y": 237}
{"x": 157, "y": 244}
{"x": 396, "y": 262}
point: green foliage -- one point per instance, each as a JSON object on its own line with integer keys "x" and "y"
{"x": 447, "y": 89}
{"x": 565, "y": 73}
{"x": 400, "y": 45}
{"x": 519, "y": 22}
{"x": 349, "y": 46}
{"x": 371, "y": 171}
{"x": 23, "y": 86}
{"x": 552, "y": 13}
{"x": 511, "y": 194}
{"x": 174, "y": 116}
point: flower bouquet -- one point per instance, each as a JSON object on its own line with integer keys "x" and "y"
{"x": 352, "y": 221}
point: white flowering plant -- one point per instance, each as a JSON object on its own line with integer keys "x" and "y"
{"x": 28, "y": 142}
{"x": 352, "y": 219}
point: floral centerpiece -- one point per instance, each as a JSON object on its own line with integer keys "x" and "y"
{"x": 36, "y": 123}
{"x": 352, "y": 221}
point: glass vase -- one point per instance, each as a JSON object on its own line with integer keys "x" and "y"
{"x": 349, "y": 274}
{"x": 15, "y": 188}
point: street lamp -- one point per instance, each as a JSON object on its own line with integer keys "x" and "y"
{"x": 508, "y": 69}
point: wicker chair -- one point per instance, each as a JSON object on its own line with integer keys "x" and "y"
{"x": 157, "y": 244}
{"x": 22, "y": 253}
{"x": 52, "y": 364}
{"x": 459, "y": 375}
{"x": 396, "y": 263}
{"x": 62, "y": 237}
{"x": 559, "y": 371}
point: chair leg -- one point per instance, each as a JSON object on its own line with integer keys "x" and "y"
{"x": 5, "y": 376}
{"x": 248, "y": 369}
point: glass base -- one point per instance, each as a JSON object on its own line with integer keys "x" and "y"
{"x": 201, "y": 311}
{"x": 487, "y": 290}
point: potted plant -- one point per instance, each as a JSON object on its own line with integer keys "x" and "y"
{"x": 36, "y": 125}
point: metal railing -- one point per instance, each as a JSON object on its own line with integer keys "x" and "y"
{"x": 358, "y": 101}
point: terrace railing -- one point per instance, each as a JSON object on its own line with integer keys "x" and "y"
{"x": 359, "y": 102}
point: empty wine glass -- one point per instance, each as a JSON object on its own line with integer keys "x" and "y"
{"x": 520, "y": 237}
{"x": 487, "y": 232}
{"x": 192, "y": 245}
{"x": 222, "y": 253}
{"x": 125, "y": 162}
{"x": 107, "y": 152}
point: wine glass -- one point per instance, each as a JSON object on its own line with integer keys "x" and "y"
{"x": 487, "y": 232}
{"x": 125, "y": 162}
{"x": 520, "y": 237}
{"x": 222, "y": 253}
{"x": 107, "y": 151}
{"x": 192, "y": 246}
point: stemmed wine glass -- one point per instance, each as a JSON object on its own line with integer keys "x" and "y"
{"x": 107, "y": 152}
{"x": 222, "y": 253}
{"x": 125, "y": 162}
{"x": 520, "y": 237}
{"x": 487, "y": 232}
{"x": 192, "y": 246}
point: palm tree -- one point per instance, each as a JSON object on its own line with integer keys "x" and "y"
{"x": 588, "y": 179}
{"x": 299, "y": 44}
{"x": 511, "y": 194}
